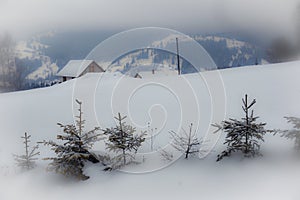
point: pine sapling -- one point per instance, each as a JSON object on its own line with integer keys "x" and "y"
{"x": 243, "y": 135}
{"x": 187, "y": 143}
{"x": 123, "y": 141}
{"x": 74, "y": 149}
{"x": 27, "y": 161}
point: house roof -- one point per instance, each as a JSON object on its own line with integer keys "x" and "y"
{"x": 74, "y": 68}
{"x": 137, "y": 75}
{"x": 157, "y": 73}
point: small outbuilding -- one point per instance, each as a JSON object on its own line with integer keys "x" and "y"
{"x": 77, "y": 68}
{"x": 154, "y": 73}
{"x": 137, "y": 75}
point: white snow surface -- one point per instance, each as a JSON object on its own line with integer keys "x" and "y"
{"x": 168, "y": 103}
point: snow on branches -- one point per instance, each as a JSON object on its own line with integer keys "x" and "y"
{"x": 74, "y": 149}
{"x": 123, "y": 141}
{"x": 243, "y": 135}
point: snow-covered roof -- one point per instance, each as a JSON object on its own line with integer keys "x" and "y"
{"x": 74, "y": 68}
{"x": 157, "y": 73}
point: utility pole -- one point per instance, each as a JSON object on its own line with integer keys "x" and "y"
{"x": 178, "y": 60}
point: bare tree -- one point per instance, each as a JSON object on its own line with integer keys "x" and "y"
{"x": 18, "y": 76}
{"x": 12, "y": 70}
{"x": 187, "y": 143}
{"x": 7, "y": 52}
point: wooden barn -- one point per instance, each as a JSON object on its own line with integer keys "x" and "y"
{"x": 77, "y": 68}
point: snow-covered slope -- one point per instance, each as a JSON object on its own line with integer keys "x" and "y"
{"x": 31, "y": 53}
{"x": 169, "y": 103}
{"x": 228, "y": 52}
{"x": 225, "y": 52}
{"x": 44, "y": 54}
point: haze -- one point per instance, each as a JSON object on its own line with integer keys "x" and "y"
{"x": 188, "y": 16}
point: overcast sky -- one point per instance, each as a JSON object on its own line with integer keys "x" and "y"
{"x": 203, "y": 16}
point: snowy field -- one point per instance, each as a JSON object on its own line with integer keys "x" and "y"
{"x": 167, "y": 103}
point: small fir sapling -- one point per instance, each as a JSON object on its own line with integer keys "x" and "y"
{"x": 293, "y": 134}
{"x": 122, "y": 140}
{"x": 187, "y": 143}
{"x": 74, "y": 149}
{"x": 243, "y": 135}
{"x": 27, "y": 161}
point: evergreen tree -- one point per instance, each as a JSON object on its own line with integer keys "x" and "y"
{"x": 243, "y": 135}
{"x": 75, "y": 149}
{"x": 27, "y": 161}
{"x": 123, "y": 141}
{"x": 293, "y": 134}
{"x": 187, "y": 143}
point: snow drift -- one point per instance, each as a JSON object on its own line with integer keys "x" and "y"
{"x": 166, "y": 103}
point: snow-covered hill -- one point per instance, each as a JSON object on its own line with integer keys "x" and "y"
{"x": 228, "y": 52}
{"x": 45, "y": 54}
{"x": 32, "y": 54}
{"x": 168, "y": 103}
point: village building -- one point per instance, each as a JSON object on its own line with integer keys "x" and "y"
{"x": 77, "y": 68}
{"x": 154, "y": 73}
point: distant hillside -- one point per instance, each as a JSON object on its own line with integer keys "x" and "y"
{"x": 44, "y": 54}
{"x": 228, "y": 52}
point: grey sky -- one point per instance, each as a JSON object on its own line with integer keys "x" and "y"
{"x": 26, "y": 16}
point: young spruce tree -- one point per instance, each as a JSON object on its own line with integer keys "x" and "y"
{"x": 74, "y": 150}
{"x": 243, "y": 135}
{"x": 27, "y": 161}
{"x": 123, "y": 141}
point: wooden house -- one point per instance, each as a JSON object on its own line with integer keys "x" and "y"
{"x": 77, "y": 68}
